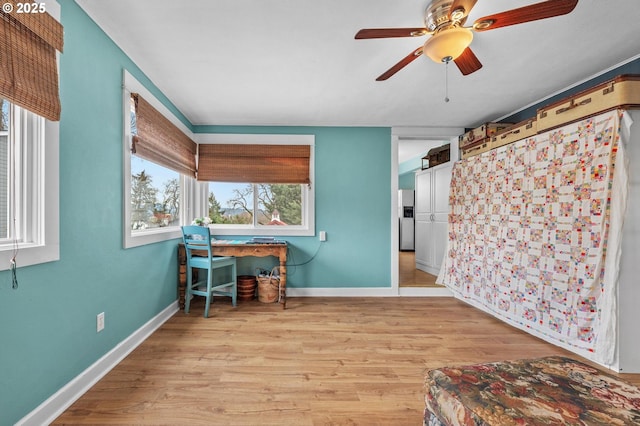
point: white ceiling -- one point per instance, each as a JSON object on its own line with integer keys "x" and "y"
{"x": 296, "y": 62}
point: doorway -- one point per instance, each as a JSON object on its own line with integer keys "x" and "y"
{"x": 410, "y": 151}
{"x": 409, "y": 276}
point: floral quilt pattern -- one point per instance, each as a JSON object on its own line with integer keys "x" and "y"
{"x": 528, "y": 229}
{"x": 545, "y": 391}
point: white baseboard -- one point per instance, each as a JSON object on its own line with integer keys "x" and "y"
{"x": 425, "y": 292}
{"x": 55, "y": 405}
{"x": 367, "y": 292}
{"x": 341, "y": 292}
{"x": 426, "y": 268}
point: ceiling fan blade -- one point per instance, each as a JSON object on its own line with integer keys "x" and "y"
{"x": 403, "y": 63}
{"x": 534, "y": 12}
{"x": 467, "y": 5}
{"x": 468, "y": 62}
{"x": 391, "y": 32}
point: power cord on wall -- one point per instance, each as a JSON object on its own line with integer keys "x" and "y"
{"x": 291, "y": 256}
{"x": 313, "y": 256}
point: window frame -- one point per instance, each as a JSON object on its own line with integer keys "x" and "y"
{"x": 308, "y": 195}
{"x": 191, "y": 192}
{"x": 42, "y": 209}
{"x": 37, "y": 180}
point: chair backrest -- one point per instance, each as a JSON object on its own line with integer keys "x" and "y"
{"x": 196, "y": 238}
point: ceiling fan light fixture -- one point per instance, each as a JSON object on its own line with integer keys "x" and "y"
{"x": 448, "y": 44}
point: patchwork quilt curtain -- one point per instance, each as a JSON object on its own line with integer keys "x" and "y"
{"x": 528, "y": 230}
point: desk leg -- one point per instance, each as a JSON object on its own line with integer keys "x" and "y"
{"x": 283, "y": 281}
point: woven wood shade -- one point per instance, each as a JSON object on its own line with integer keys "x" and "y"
{"x": 160, "y": 141}
{"x": 254, "y": 163}
{"x": 28, "y": 67}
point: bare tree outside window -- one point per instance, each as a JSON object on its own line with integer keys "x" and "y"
{"x": 277, "y": 204}
{"x": 155, "y": 196}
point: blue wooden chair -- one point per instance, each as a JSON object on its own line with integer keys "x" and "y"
{"x": 199, "y": 238}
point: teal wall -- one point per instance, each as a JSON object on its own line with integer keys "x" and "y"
{"x": 407, "y": 180}
{"x": 407, "y": 172}
{"x": 48, "y": 325}
{"x": 353, "y": 205}
{"x": 411, "y": 165}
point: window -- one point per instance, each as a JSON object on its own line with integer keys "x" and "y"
{"x": 160, "y": 192}
{"x": 249, "y": 208}
{"x": 155, "y": 191}
{"x": 28, "y": 187}
{"x": 256, "y": 204}
{"x": 157, "y": 199}
{"x": 155, "y": 196}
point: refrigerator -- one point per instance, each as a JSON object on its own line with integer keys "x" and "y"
{"x": 405, "y": 213}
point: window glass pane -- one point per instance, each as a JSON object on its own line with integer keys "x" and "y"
{"x": 4, "y": 119}
{"x": 4, "y": 169}
{"x": 132, "y": 117}
{"x": 280, "y": 204}
{"x": 155, "y": 195}
{"x": 231, "y": 203}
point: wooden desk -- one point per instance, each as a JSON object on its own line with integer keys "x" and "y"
{"x": 237, "y": 250}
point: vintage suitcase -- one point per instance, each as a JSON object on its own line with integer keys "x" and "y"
{"x": 518, "y": 131}
{"x": 436, "y": 156}
{"x": 481, "y": 133}
{"x": 476, "y": 149}
{"x": 621, "y": 92}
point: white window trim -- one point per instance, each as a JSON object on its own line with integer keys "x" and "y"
{"x": 40, "y": 205}
{"x": 308, "y": 220}
{"x": 192, "y": 203}
{"x": 45, "y": 246}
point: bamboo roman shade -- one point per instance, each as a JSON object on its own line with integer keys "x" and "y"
{"x": 254, "y": 163}
{"x": 28, "y": 66}
{"x": 160, "y": 141}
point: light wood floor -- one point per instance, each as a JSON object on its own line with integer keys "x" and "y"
{"x": 322, "y": 361}
{"x": 409, "y": 276}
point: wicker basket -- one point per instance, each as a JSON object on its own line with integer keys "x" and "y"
{"x": 268, "y": 285}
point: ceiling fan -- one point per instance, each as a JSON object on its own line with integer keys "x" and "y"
{"x": 450, "y": 39}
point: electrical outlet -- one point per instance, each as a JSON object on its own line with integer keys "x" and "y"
{"x": 100, "y": 322}
{"x": 323, "y": 235}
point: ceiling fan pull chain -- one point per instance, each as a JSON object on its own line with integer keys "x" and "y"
{"x": 446, "y": 81}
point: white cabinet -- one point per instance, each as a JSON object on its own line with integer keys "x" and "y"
{"x": 431, "y": 213}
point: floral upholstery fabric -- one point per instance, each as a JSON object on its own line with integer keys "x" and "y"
{"x": 544, "y": 391}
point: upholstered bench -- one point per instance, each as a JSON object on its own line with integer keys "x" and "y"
{"x": 545, "y": 391}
